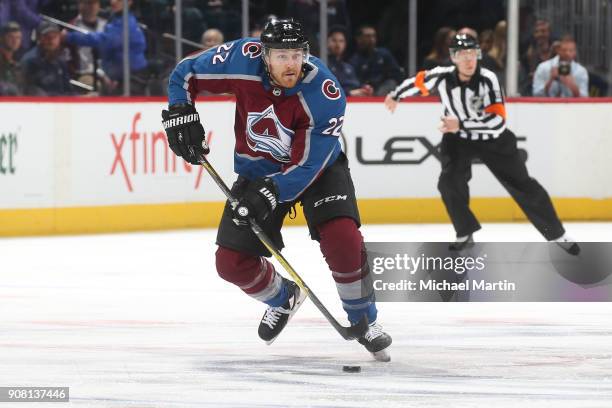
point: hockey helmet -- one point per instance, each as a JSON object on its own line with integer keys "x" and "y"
{"x": 462, "y": 42}
{"x": 284, "y": 34}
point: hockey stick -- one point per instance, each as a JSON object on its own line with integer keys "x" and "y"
{"x": 348, "y": 333}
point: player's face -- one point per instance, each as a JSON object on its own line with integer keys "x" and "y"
{"x": 466, "y": 61}
{"x": 285, "y": 66}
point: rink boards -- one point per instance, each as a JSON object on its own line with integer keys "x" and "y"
{"x": 96, "y": 165}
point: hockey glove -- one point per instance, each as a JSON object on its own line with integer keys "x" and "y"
{"x": 186, "y": 136}
{"x": 257, "y": 202}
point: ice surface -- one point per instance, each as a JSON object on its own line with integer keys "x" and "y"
{"x": 142, "y": 320}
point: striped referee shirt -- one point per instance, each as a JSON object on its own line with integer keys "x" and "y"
{"x": 478, "y": 103}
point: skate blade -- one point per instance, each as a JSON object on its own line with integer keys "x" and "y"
{"x": 300, "y": 300}
{"x": 382, "y": 355}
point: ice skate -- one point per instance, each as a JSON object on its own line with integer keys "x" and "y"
{"x": 462, "y": 243}
{"x": 275, "y": 319}
{"x": 377, "y": 342}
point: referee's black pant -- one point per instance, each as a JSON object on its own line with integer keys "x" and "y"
{"x": 501, "y": 156}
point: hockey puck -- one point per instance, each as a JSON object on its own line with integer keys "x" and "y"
{"x": 351, "y": 369}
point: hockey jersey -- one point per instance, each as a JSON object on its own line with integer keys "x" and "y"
{"x": 288, "y": 134}
{"x": 478, "y": 103}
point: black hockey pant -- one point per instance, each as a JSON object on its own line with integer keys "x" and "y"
{"x": 502, "y": 157}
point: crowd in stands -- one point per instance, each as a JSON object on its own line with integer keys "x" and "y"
{"x": 547, "y": 67}
{"x": 38, "y": 57}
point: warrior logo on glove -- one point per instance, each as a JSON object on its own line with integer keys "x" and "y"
{"x": 186, "y": 136}
{"x": 181, "y": 120}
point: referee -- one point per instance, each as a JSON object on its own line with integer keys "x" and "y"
{"x": 474, "y": 126}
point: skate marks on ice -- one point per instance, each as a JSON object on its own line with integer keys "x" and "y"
{"x": 494, "y": 360}
{"x": 460, "y": 362}
{"x": 163, "y": 333}
{"x": 462, "y": 356}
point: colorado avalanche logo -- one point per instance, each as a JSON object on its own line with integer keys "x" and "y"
{"x": 330, "y": 90}
{"x": 251, "y": 49}
{"x": 266, "y": 133}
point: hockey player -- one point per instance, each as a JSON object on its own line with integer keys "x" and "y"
{"x": 474, "y": 125}
{"x": 289, "y": 112}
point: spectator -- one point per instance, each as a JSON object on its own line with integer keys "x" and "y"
{"x": 375, "y": 66}
{"x": 345, "y": 72}
{"x": 497, "y": 53}
{"x": 486, "y": 41}
{"x": 308, "y": 13}
{"x": 222, "y": 15}
{"x": 212, "y": 38}
{"x": 11, "y": 79}
{"x": 25, "y": 12}
{"x": 527, "y": 21}
{"x": 160, "y": 16}
{"x": 539, "y": 50}
{"x": 45, "y": 73}
{"x": 498, "y": 48}
{"x": 110, "y": 45}
{"x": 561, "y": 76}
{"x": 193, "y": 21}
{"x": 439, "y": 54}
{"x": 157, "y": 15}
{"x": 88, "y": 19}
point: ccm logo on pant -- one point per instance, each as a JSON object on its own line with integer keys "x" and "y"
{"x": 330, "y": 199}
